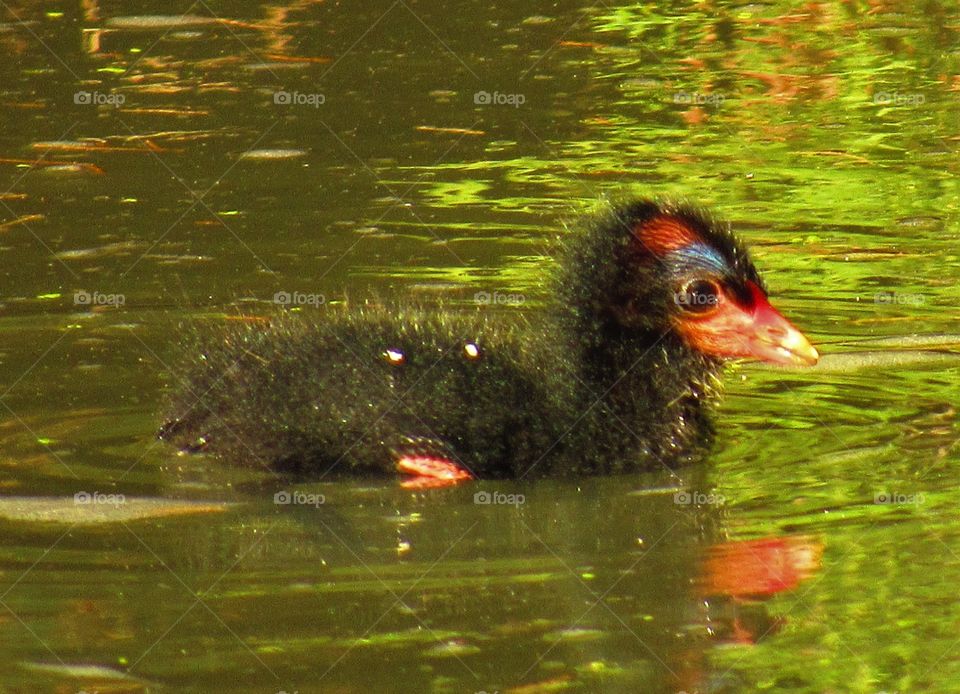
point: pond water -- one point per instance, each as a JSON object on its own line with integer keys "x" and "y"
{"x": 162, "y": 164}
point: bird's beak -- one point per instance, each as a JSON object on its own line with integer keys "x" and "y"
{"x": 775, "y": 339}
{"x": 758, "y": 331}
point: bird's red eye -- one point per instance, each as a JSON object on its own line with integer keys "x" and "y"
{"x": 698, "y": 296}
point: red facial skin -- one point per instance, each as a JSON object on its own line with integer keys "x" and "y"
{"x": 729, "y": 329}
{"x": 662, "y": 235}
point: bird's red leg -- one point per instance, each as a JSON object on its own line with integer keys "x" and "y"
{"x": 430, "y": 464}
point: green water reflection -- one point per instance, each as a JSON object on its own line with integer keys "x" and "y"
{"x": 182, "y": 164}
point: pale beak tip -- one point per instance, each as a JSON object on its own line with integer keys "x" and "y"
{"x": 792, "y": 349}
{"x": 811, "y": 357}
{"x": 802, "y": 353}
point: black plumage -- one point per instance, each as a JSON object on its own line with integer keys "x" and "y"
{"x": 599, "y": 382}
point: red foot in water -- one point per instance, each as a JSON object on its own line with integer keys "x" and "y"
{"x": 430, "y": 472}
{"x": 430, "y": 462}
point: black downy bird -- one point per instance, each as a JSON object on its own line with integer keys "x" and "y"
{"x": 616, "y": 375}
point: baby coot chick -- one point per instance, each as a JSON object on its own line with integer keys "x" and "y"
{"x": 617, "y": 374}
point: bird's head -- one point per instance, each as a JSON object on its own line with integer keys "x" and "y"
{"x": 675, "y": 271}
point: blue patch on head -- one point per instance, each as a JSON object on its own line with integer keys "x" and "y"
{"x": 698, "y": 256}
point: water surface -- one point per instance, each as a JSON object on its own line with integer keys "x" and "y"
{"x": 161, "y": 165}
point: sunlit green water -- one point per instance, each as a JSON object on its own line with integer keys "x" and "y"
{"x": 827, "y": 134}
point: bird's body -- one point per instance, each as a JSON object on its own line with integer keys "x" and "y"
{"x": 610, "y": 378}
